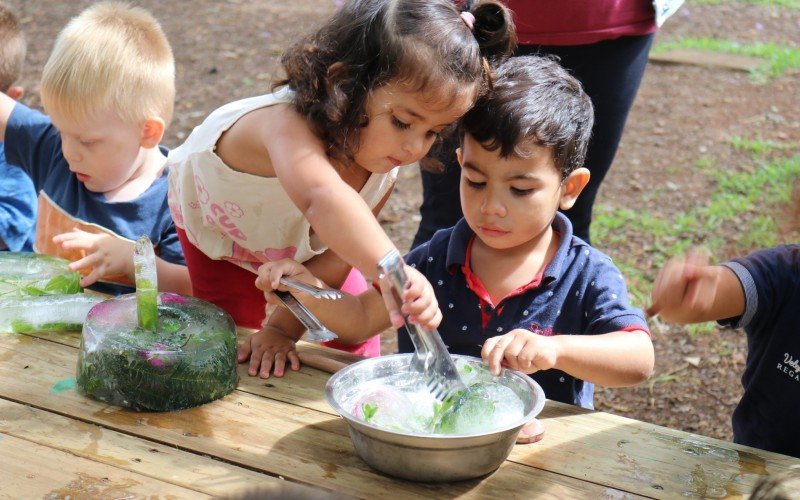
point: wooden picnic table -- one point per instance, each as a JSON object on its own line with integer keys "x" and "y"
{"x": 279, "y": 436}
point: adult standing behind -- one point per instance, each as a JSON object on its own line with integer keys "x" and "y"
{"x": 604, "y": 44}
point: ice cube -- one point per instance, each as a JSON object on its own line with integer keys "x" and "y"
{"x": 45, "y": 313}
{"x": 144, "y": 262}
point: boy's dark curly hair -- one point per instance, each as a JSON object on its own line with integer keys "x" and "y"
{"x": 368, "y": 43}
{"x": 533, "y": 100}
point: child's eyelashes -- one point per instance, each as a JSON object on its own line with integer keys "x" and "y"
{"x": 521, "y": 192}
{"x": 434, "y": 134}
{"x": 476, "y": 185}
{"x": 400, "y": 124}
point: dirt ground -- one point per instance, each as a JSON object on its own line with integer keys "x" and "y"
{"x": 230, "y": 49}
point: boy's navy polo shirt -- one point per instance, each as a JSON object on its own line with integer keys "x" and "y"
{"x": 34, "y": 144}
{"x": 768, "y": 414}
{"x": 581, "y": 292}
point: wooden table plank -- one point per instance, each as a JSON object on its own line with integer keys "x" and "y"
{"x": 594, "y": 446}
{"x": 297, "y": 443}
{"x": 146, "y": 458}
{"x": 31, "y": 470}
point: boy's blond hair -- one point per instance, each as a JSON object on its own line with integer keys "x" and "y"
{"x": 12, "y": 48}
{"x": 112, "y": 57}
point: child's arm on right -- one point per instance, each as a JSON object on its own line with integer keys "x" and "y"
{"x": 689, "y": 290}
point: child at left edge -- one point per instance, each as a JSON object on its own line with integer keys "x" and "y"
{"x": 17, "y": 196}
{"x": 514, "y": 285}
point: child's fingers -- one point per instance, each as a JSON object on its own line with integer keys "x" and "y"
{"x": 429, "y": 318}
{"x": 244, "y": 352}
{"x": 497, "y": 354}
{"x": 294, "y": 359}
{"x": 265, "y": 360}
{"x": 86, "y": 262}
{"x": 279, "y": 364}
{"x": 395, "y": 315}
{"x": 91, "y": 278}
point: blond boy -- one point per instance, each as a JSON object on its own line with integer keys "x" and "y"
{"x": 108, "y": 88}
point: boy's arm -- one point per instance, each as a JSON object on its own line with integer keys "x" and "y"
{"x": 614, "y": 359}
{"x": 688, "y": 290}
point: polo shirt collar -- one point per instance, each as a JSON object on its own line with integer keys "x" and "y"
{"x": 457, "y": 246}
{"x": 461, "y": 235}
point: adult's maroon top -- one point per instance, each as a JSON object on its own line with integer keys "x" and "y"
{"x": 580, "y": 22}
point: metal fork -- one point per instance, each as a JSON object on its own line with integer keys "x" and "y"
{"x": 314, "y": 291}
{"x": 431, "y": 356}
{"x": 316, "y": 330}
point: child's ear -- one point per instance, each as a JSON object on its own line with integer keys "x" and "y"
{"x": 459, "y": 157}
{"x": 15, "y": 92}
{"x": 152, "y": 132}
{"x": 572, "y": 187}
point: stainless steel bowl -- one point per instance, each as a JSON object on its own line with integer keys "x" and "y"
{"x": 429, "y": 457}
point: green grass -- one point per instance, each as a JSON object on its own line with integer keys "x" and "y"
{"x": 736, "y": 215}
{"x": 789, "y": 4}
{"x": 777, "y": 58}
{"x": 758, "y": 146}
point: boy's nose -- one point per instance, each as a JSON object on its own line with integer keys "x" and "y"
{"x": 492, "y": 205}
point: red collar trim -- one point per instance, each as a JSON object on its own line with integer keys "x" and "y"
{"x": 476, "y": 285}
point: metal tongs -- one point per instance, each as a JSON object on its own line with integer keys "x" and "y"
{"x": 316, "y": 330}
{"x": 431, "y": 356}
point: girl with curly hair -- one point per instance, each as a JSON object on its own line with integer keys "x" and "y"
{"x": 303, "y": 171}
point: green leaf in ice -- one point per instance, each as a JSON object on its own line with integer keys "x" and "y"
{"x": 64, "y": 284}
{"x": 370, "y": 410}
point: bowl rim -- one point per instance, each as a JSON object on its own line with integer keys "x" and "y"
{"x": 539, "y": 400}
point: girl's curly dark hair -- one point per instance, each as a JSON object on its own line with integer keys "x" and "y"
{"x": 367, "y": 43}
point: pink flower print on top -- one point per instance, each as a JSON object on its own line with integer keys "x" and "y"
{"x": 177, "y": 213}
{"x": 219, "y": 217}
{"x": 202, "y": 192}
{"x": 241, "y": 255}
{"x": 234, "y": 209}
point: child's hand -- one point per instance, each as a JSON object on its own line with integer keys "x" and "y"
{"x": 105, "y": 254}
{"x": 520, "y": 350}
{"x": 419, "y": 301}
{"x": 270, "y": 273}
{"x": 684, "y": 288}
{"x": 269, "y": 350}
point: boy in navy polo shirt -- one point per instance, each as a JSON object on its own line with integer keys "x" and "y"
{"x": 95, "y": 160}
{"x": 760, "y": 293}
{"x": 514, "y": 285}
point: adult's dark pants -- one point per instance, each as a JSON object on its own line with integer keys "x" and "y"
{"x": 610, "y": 72}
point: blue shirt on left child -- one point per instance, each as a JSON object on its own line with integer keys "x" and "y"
{"x": 580, "y": 292}
{"x": 17, "y": 207}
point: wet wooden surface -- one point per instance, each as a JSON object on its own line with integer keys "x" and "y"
{"x": 279, "y": 437}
